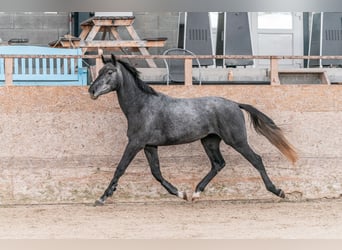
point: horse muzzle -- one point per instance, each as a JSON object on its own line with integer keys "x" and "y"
{"x": 92, "y": 94}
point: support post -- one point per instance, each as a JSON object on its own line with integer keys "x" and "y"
{"x": 94, "y": 70}
{"x": 274, "y": 76}
{"x": 8, "y": 71}
{"x": 188, "y": 71}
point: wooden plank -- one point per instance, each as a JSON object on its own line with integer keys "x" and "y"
{"x": 110, "y": 19}
{"x": 105, "y": 31}
{"x": 69, "y": 44}
{"x": 188, "y": 71}
{"x": 117, "y": 36}
{"x": 8, "y": 71}
{"x": 150, "y": 62}
{"x": 111, "y": 49}
{"x": 99, "y": 65}
{"x": 132, "y": 33}
{"x": 93, "y": 72}
{"x": 92, "y": 33}
{"x": 156, "y": 43}
{"x": 142, "y": 49}
{"x": 113, "y": 22}
{"x": 84, "y": 32}
{"x": 122, "y": 43}
{"x": 274, "y": 75}
{"x": 64, "y": 53}
{"x": 115, "y": 33}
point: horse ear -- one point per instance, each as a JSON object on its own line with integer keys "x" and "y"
{"x": 113, "y": 59}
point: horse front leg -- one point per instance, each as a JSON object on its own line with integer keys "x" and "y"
{"x": 130, "y": 152}
{"x": 151, "y": 153}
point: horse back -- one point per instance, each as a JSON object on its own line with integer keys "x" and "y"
{"x": 183, "y": 120}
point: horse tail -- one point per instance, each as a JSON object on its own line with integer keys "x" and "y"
{"x": 265, "y": 126}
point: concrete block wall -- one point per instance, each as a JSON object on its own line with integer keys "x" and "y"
{"x": 39, "y": 27}
{"x": 157, "y": 24}
{"x": 163, "y": 24}
{"x": 42, "y": 28}
{"x": 59, "y": 146}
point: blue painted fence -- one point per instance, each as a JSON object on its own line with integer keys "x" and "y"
{"x": 49, "y": 69}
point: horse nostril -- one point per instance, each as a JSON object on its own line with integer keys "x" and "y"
{"x": 92, "y": 92}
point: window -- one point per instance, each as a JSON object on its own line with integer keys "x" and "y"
{"x": 275, "y": 20}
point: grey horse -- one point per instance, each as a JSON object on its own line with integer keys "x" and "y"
{"x": 155, "y": 119}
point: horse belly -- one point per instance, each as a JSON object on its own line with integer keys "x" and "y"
{"x": 187, "y": 128}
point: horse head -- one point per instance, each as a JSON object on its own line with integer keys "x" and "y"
{"x": 109, "y": 78}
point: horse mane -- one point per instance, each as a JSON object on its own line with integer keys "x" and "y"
{"x": 136, "y": 75}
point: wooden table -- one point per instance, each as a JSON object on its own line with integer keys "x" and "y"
{"x": 111, "y": 26}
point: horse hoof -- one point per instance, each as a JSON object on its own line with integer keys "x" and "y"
{"x": 185, "y": 196}
{"x": 195, "y": 196}
{"x": 98, "y": 203}
{"x": 281, "y": 194}
{"x": 182, "y": 195}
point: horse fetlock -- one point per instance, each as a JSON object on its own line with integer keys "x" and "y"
{"x": 281, "y": 194}
{"x": 277, "y": 192}
{"x": 196, "y": 196}
{"x": 220, "y": 166}
{"x": 109, "y": 192}
{"x": 272, "y": 188}
{"x": 99, "y": 202}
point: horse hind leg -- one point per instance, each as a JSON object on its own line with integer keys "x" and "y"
{"x": 211, "y": 146}
{"x": 153, "y": 160}
{"x": 245, "y": 150}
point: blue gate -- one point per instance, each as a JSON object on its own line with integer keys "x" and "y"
{"x": 47, "y": 66}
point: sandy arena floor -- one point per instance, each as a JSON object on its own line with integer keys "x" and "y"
{"x": 175, "y": 220}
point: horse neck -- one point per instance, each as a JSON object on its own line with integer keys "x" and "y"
{"x": 130, "y": 97}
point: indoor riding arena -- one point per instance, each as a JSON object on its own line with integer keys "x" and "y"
{"x": 59, "y": 150}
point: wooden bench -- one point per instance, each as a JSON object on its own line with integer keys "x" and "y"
{"x": 33, "y": 65}
{"x": 113, "y": 28}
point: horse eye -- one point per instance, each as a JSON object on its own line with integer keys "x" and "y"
{"x": 110, "y": 72}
